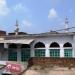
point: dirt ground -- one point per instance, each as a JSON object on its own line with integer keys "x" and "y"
{"x": 51, "y": 71}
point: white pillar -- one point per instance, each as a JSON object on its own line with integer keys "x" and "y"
{"x": 73, "y": 51}
{"x": 61, "y": 50}
{"x": 18, "y": 52}
{"x": 73, "y": 46}
{"x": 47, "y": 53}
{"x": 5, "y": 45}
{"x": 4, "y": 54}
{"x": 32, "y": 52}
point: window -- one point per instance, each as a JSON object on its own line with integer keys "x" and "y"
{"x": 12, "y": 55}
{"x": 39, "y": 49}
{"x": 25, "y": 54}
{"x": 68, "y": 53}
{"x": 39, "y": 52}
{"x": 67, "y": 50}
{"x": 54, "y": 52}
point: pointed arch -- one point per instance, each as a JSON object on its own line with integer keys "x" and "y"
{"x": 39, "y": 45}
{"x": 54, "y": 44}
{"x": 67, "y": 44}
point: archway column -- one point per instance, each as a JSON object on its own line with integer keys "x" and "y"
{"x": 4, "y": 53}
{"x": 5, "y": 45}
{"x": 73, "y": 47}
{"x": 73, "y": 52}
{"x": 61, "y": 50}
{"x": 32, "y": 53}
{"x": 18, "y": 52}
{"x": 47, "y": 53}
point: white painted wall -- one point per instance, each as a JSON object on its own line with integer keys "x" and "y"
{"x": 61, "y": 40}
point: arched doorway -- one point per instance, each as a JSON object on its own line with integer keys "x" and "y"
{"x": 39, "y": 49}
{"x": 67, "y": 50}
{"x": 54, "y": 50}
{"x": 2, "y": 48}
{"x": 2, "y": 51}
{"x": 12, "y": 52}
{"x": 25, "y": 52}
{"x": 1, "y": 45}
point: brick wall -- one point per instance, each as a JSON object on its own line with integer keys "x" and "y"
{"x": 52, "y": 61}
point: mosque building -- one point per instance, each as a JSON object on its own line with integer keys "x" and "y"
{"x": 20, "y": 46}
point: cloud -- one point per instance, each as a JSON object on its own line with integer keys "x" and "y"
{"x": 4, "y": 10}
{"x": 20, "y": 7}
{"x": 52, "y": 14}
{"x": 26, "y": 23}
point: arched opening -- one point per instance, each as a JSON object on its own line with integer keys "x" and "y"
{"x": 25, "y": 52}
{"x": 67, "y": 50}
{"x": 54, "y": 50}
{"x": 39, "y": 45}
{"x": 12, "y": 52}
{"x": 67, "y": 44}
{"x": 54, "y": 44}
{"x": 39, "y": 49}
{"x": 2, "y": 51}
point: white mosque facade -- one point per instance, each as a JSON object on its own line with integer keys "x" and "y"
{"x": 23, "y": 47}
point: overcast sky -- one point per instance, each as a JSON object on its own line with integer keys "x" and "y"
{"x": 36, "y": 16}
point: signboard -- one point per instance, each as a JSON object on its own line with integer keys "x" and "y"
{"x": 13, "y": 68}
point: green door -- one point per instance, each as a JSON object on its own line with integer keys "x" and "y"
{"x": 25, "y": 54}
{"x": 12, "y": 55}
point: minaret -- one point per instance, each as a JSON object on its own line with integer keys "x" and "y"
{"x": 66, "y": 24}
{"x": 17, "y": 28}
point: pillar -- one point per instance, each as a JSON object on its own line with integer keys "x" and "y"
{"x": 32, "y": 51}
{"x": 4, "y": 53}
{"x": 5, "y": 45}
{"x": 47, "y": 51}
{"x": 73, "y": 46}
{"x": 19, "y": 52}
{"x": 61, "y": 50}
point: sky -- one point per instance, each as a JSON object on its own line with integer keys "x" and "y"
{"x": 36, "y": 16}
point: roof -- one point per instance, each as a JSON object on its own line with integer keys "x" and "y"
{"x": 40, "y": 35}
{"x": 19, "y": 41}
